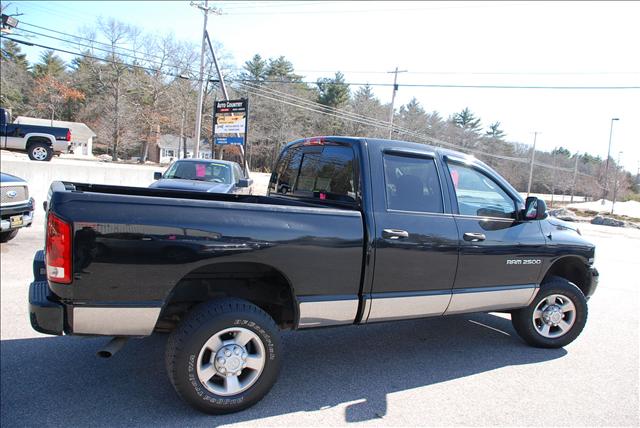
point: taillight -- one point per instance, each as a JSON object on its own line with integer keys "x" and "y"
{"x": 68, "y": 135}
{"x": 58, "y": 250}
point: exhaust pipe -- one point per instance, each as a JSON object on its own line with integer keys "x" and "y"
{"x": 112, "y": 347}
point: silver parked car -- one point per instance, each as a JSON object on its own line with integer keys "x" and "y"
{"x": 204, "y": 175}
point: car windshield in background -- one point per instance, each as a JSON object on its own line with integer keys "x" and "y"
{"x": 202, "y": 171}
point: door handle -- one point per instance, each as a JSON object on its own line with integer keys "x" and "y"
{"x": 474, "y": 237}
{"x": 394, "y": 233}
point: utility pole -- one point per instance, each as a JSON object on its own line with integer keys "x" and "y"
{"x": 206, "y": 11}
{"x": 575, "y": 176}
{"x": 226, "y": 98}
{"x": 553, "y": 176}
{"x": 605, "y": 191}
{"x": 533, "y": 157}
{"x": 615, "y": 182}
{"x": 393, "y": 97}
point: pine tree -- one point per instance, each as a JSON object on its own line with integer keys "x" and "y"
{"x": 467, "y": 120}
{"x": 11, "y": 52}
{"x": 281, "y": 69}
{"x": 412, "y": 114}
{"x": 50, "y": 65}
{"x": 255, "y": 69}
{"x": 495, "y": 132}
{"x": 16, "y": 83}
{"x": 333, "y": 92}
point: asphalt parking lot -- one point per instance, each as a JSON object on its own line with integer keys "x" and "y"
{"x": 463, "y": 370}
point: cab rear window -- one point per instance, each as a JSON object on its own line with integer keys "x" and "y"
{"x": 325, "y": 172}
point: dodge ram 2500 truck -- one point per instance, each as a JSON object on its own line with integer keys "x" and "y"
{"x": 353, "y": 231}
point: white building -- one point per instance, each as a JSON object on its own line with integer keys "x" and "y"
{"x": 81, "y": 135}
{"x": 170, "y": 148}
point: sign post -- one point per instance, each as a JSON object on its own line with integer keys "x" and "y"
{"x": 230, "y": 125}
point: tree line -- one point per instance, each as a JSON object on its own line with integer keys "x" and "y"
{"x": 131, "y": 87}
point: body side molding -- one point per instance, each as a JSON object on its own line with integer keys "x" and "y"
{"x": 321, "y": 311}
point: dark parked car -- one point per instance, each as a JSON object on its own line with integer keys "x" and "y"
{"x": 202, "y": 175}
{"x": 354, "y": 231}
{"x": 40, "y": 142}
{"x": 16, "y": 207}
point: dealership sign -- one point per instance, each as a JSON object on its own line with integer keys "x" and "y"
{"x": 230, "y": 121}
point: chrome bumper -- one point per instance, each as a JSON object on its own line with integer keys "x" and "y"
{"x": 27, "y": 219}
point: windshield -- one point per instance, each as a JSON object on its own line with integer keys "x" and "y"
{"x": 202, "y": 171}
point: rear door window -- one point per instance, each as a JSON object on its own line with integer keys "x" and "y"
{"x": 286, "y": 172}
{"x": 319, "y": 172}
{"x": 412, "y": 184}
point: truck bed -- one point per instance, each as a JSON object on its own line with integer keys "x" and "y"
{"x": 136, "y": 244}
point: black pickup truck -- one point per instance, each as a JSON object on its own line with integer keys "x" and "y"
{"x": 353, "y": 231}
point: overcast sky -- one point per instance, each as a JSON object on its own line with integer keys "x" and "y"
{"x": 587, "y": 44}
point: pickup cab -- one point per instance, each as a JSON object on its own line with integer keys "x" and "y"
{"x": 353, "y": 231}
{"x": 40, "y": 142}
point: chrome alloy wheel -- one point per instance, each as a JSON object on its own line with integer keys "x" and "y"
{"x": 554, "y": 316}
{"x": 39, "y": 153}
{"x": 231, "y": 361}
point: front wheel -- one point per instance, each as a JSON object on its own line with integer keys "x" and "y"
{"x": 556, "y": 316}
{"x": 224, "y": 356}
{"x": 8, "y": 236}
{"x": 40, "y": 152}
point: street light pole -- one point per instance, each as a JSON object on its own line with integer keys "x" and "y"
{"x": 605, "y": 191}
{"x": 615, "y": 182}
{"x": 575, "y": 176}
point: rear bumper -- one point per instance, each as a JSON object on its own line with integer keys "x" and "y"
{"x": 46, "y": 315}
{"x": 61, "y": 146}
{"x": 50, "y": 316}
{"x": 25, "y": 210}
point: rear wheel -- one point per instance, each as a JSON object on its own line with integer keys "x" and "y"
{"x": 40, "y": 152}
{"x": 8, "y": 235}
{"x": 555, "y": 318}
{"x": 224, "y": 356}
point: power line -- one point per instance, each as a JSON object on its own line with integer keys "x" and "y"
{"x": 381, "y": 124}
{"x": 427, "y": 85}
{"x": 81, "y": 38}
{"x": 409, "y": 9}
{"x": 269, "y": 5}
{"x": 345, "y": 115}
{"x": 137, "y": 58}
{"x": 141, "y": 67}
{"x": 416, "y": 85}
{"x": 484, "y": 73}
{"x": 326, "y": 110}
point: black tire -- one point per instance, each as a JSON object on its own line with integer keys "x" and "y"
{"x": 203, "y": 322}
{"x": 8, "y": 235}
{"x": 36, "y": 152}
{"x": 523, "y": 323}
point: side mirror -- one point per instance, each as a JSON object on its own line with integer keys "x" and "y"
{"x": 244, "y": 182}
{"x": 157, "y": 175}
{"x": 534, "y": 209}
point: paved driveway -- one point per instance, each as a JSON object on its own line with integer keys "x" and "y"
{"x": 463, "y": 370}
